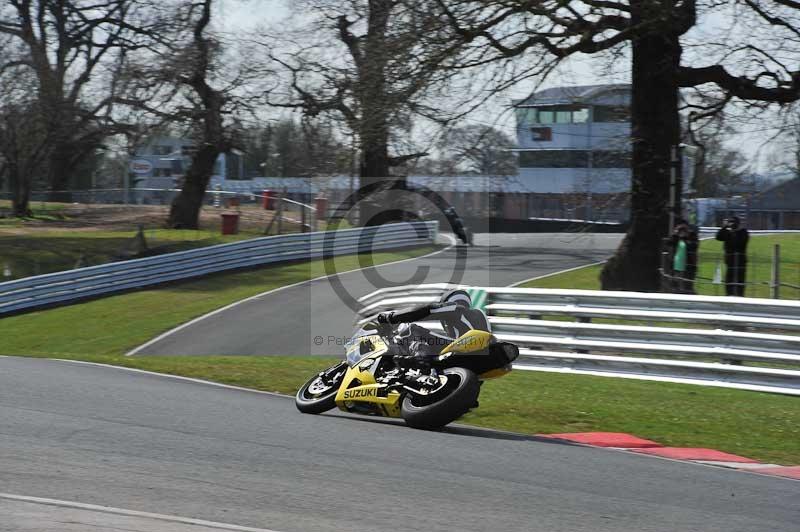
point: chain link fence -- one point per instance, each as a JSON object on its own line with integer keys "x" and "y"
{"x": 767, "y": 270}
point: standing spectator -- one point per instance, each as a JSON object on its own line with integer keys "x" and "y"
{"x": 684, "y": 245}
{"x": 735, "y": 240}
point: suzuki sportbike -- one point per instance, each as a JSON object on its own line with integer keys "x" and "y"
{"x": 426, "y": 394}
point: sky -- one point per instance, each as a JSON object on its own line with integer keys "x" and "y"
{"x": 244, "y": 15}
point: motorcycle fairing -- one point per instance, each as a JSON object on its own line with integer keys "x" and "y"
{"x": 367, "y": 391}
{"x": 469, "y": 342}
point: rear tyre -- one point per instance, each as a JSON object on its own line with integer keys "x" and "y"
{"x": 318, "y": 395}
{"x": 458, "y": 396}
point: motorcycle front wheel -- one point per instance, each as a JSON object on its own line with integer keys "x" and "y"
{"x": 318, "y": 395}
{"x": 445, "y": 406}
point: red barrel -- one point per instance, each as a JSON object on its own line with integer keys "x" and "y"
{"x": 269, "y": 200}
{"x": 321, "y": 203}
{"x": 230, "y": 223}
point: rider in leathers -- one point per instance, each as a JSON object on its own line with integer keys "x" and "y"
{"x": 455, "y": 314}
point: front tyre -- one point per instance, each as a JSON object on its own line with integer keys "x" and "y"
{"x": 318, "y": 395}
{"x": 458, "y": 396}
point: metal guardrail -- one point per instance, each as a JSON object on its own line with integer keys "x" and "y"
{"x": 737, "y": 333}
{"x": 55, "y": 288}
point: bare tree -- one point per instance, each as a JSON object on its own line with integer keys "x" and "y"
{"x": 73, "y": 49}
{"x": 785, "y": 154}
{"x": 213, "y": 138}
{"x": 719, "y": 169}
{"x": 190, "y": 79}
{"x": 289, "y": 148}
{"x": 374, "y": 64}
{"x": 23, "y": 137}
{"x": 480, "y": 149}
{"x": 750, "y": 70}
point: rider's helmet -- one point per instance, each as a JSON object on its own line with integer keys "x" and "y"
{"x": 457, "y": 297}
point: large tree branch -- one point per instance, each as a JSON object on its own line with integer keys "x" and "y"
{"x": 400, "y": 160}
{"x": 350, "y": 40}
{"x": 740, "y": 86}
{"x": 788, "y": 3}
{"x": 14, "y": 64}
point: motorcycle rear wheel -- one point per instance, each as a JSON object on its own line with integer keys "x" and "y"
{"x": 459, "y": 395}
{"x": 317, "y": 396}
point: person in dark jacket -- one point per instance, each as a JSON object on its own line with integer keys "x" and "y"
{"x": 458, "y": 226}
{"x": 683, "y": 244}
{"x": 735, "y": 240}
{"x": 454, "y": 314}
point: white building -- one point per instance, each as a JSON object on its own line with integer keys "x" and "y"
{"x": 575, "y": 139}
{"x": 163, "y": 160}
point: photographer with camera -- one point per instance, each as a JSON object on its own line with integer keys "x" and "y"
{"x": 735, "y": 240}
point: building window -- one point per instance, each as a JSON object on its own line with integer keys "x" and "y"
{"x": 545, "y": 116}
{"x": 554, "y": 159}
{"x": 607, "y": 113}
{"x": 574, "y": 159}
{"x": 580, "y": 116}
{"x": 525, "y": 115}
{"x": 563, "y": 117}
{"x": 555, "y": 114}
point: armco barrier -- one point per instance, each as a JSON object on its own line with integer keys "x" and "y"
{"x": 60, "y": 287}
{"x": 736, "y": 332}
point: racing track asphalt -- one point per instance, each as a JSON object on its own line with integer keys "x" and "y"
{"x": 110, "y": 437}
{"x": 287, "y": 322}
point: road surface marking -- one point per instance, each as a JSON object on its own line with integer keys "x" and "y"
{"x": 177, "y": 377}
{"x": 131, "y": 513}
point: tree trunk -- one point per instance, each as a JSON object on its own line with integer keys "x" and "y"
{"x": 60, "y": 168}
{"x": 20, "y": 192}
{"x": 185, "y": 210}
{"x": 374, "y": 172}
{"x": 655, "y": 130}
{"x": 373, "y": 132}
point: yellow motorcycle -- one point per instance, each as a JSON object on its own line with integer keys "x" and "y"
{"x": 373, "y": 381}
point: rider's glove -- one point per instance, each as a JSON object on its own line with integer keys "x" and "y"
{"x": 385, "y": 318}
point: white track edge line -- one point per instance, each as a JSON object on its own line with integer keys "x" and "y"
{"x": 130, "y": 513}
{"x": 697, "y": 463}
{"x": 171, "y": 376}
{"x": 272, "y": 291}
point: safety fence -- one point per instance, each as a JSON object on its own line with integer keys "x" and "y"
{"x": 767, "y": 271}
{"x": 745, "y": 343}
{"x": 61, "y": 287}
